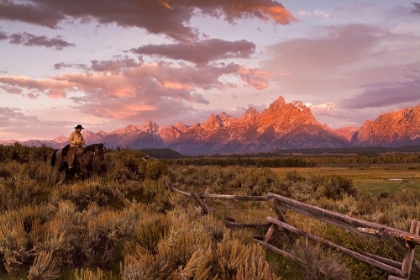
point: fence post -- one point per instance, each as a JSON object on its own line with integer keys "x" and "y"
{"x": 409, "y": 257}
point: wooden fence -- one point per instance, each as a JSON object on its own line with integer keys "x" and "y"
{"x": 404, "y": 243}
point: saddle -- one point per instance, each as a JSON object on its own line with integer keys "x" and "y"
{"x": 79, "y": 150}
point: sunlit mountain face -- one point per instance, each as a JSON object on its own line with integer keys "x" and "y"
{"x": 281, "y": 126}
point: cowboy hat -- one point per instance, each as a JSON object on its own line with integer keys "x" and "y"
{"x": 79, "y": 126}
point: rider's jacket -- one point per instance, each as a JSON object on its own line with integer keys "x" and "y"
{"x": 76, "y": 139}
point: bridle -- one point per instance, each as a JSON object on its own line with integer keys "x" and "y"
{"x": 94, "y": 156}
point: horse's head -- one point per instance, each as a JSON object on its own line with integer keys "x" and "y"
{"x": 100, "y": 150}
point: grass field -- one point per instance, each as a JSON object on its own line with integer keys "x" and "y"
{"x": 124, "y": 223}
{"x": 372, "y": 178}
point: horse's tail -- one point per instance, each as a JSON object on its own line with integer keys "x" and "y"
{"x": 53, "y": 158}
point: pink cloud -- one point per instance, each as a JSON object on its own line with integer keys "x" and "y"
{"x": 263, "y": 9}
{"x": 416, "y": 9}
{"x": 158, "y": 89}
{"x": 254, "y": 77}
{"x": 30, "y": 13}
{"x": 11, "y": 89}
{"x": 341, "y": 45}
{"x": 62, "y": 65}
{"x": 114, "y": 66}
{"x": 53, "y": 88}
{"x": 341, "y": 57}
{"x": 201, "y": 51}
{"x": 40, "y": 41}
{"x": 3, "y": 36}
{"x": 32, "y": 95}
{"x": 158, "y": 17}
{"x": 404, "y": 92}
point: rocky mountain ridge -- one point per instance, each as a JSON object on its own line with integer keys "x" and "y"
{"x": 281, "y": 126}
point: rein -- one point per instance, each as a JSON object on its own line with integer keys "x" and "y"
{"x": 94, "y": 158}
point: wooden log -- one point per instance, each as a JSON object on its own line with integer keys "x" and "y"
{"x": 252, "y": 225}
{"x": 283, "y": 253}
{"x": 346, "y": 251}
{"x": 307, "y": 211}
{"x": 386, "y": 237}
{"x": 393, "y": 277}
{"x": 202, "y": 204}
{"x": 206, "y": 192}
{"x": 236, "y": 197}
{"x": 318, "y": 212}
{"x": 409, "y": 257}
{"x": 412, "y": 238}
{"x": 382, "y": 259}
{"x": 173, "y": 188}
{"x": 391, "y": 241}
{"x": 282, "y": 217}
{"x": 279, "y": 251}
{"x": 269, "y": 233}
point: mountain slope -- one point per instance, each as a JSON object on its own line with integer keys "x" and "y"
{"x": 393, "y": 129}
{"x": 281, "y": 126}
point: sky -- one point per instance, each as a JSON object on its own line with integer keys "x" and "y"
{"x": 106, "y": 64}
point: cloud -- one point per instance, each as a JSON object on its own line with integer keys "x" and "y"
{"x": 339, "y": 46}
{"x": 125, "y": 89}
{"x": 114, "y": 66}
{"x": 11, "y": 89}
{"x": 62, "y": 65}
{"x": 41, "y": 41}
{"x": 13, "y": 116}
{"x": 339, "y": 57}
{"x": 170, "y": 17}
{"x": 255, "y": 78}
{"x": 266, "y": 10}
{"x": 51, "y": 88}
{"x": 18, "y": 124}
{"x": 35, "y": 13}
{"x": 200, "y": 52}
{"x": 326, "y": 109}
{"x": 316, "y": 12}
{"x": 404, "y": 92}
{"x": 416, "y": 9}
{"x": 3, "y": 36}
{"x": 32, "y": 95}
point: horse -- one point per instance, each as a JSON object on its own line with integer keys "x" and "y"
{"x": 58, "y": 156}
{"x": 82, "y": 162}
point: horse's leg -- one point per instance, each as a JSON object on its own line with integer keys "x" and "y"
{"x": 81, "y": 166}
{"x": 84, "y": 171}
{"x": 63, "y": 166}
{"x": 53, "y": 158}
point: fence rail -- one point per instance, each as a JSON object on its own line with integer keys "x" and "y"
{"x": 404, "y": 243}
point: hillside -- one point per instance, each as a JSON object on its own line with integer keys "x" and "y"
{"x": 282, "y": 126}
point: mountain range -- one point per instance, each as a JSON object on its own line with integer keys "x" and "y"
{"x": 281, "y": 126}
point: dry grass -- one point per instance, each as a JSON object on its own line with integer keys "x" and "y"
{"x": 125, "y": 223}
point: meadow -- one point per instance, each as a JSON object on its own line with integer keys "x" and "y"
{"x": 124, "y": 223}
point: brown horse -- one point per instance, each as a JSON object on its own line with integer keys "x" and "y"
{"x": 89, "y": 155}
{"x": 59, "y": 156}
{"x": 84, "y": 161}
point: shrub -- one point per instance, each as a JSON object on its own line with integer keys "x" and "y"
{"x": 87, "y": 274}
{"x": 334, "y": 186}
{"x": 155, "y": 169}
{"x": 318, "y": 265}
{"x": 44, "y": 267}
{"x": 294, "y": 176}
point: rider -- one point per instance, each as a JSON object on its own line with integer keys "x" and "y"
{"x": 77, "y": 141}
